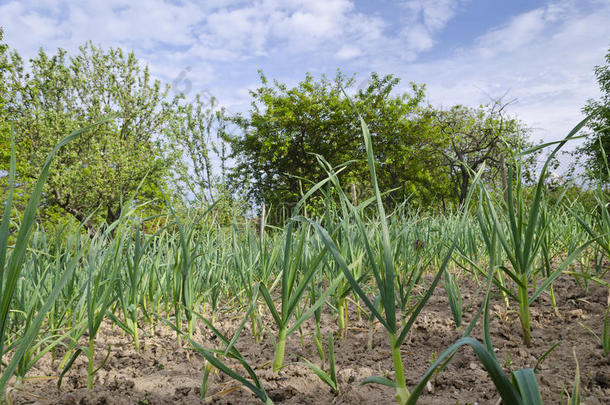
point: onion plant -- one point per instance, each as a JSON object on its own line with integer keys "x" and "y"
{"x": 129, "y": 286}
{"x": 151, "y": 288}
{"x": 102, "y": 265}
{"x": 522, "y": 387}
{"x": 11, "y": 265}
{"x": 347, "y": 238}
{"x": 602, "y": 219}
{"x": 455, "y": 297}
{"x": 414, "y": 250}
{"x": 330, "y": 377}
{"x": 41, "y": 273}
{"x": 183, "y": 278}
{"x": 598, "y": 228}
{"x": 296, "y": 261}
{"x": 521, "y": 230}
{"x": 383, "y": 268}
{"x": 102, "y": 287}
{"x": 604, "y": 337}
{"x": 293, "y": 289}
{"x": 246, "y": 257}
{"x": 315, "y": 290}
{"x": 214, "y": 356}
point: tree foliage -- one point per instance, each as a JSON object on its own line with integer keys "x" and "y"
{"x": 58, "y": 94}
{"x": 599, "y": 124}
{"x": 196, "y": 135}
{"x": 4, "y": 127}
{"x": 191, "y": 135}
{"x": 470, "y": 137}
{"x": 286, "y": 127}
{"x": 423, "y": 154}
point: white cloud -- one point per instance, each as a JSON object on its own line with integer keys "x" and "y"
{"x": 543, "y": 56}
{"x": 435, "y": 14}
{"x": 348, "y": 52}
{"x": 315, "y": 20}
{"x": 417, "y": 38}
{"x": 135, "y": 25}
{"x": 424, "y": 20}
{"x": 520, "y": 31}
{"x": 172, "y": 36}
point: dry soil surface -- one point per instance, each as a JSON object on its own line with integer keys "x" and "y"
{"x": 164, "y": 372}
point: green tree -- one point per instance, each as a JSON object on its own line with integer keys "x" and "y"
{"x": 99, "y": 171}
{"x": 599, "y": 124}
{"x": 470, "y": 137}
{"x": 4, "y": 126}
{"x": 191, "y": 136}
{"x": 285, "y": 127}
{"x": 196, "y": 135}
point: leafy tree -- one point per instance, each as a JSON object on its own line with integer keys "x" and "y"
{"x": 471, "y": 137}
{"x": 4, "y": 127}
{"x": 191, "y": 135}
{"x": 99, "y": 171}
{"x": 285, "y": 127}
{"x": 599, "y": 124}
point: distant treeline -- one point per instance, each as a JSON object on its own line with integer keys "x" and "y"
{"x": 161, "y": 145}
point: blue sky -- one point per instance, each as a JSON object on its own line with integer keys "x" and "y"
{"x": 541, "y": 53}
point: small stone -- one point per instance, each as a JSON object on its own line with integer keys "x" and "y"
{"x": 182, "y": 391}
{"x": 576, "y": 314}
{"x": 67, "y": 399}
{"x": 590, "y": 401}
{"x": 602, "y": 377}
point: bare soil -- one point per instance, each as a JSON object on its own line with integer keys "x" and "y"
{"x": 165, "y": 373}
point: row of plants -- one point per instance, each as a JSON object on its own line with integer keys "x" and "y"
{"x": 59, "y": 287}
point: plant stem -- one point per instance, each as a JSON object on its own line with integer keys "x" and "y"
{"x": 91, "y": 355}
{"x": 524, "y": 312}
{"x": 191, "y": 327}
{"x": 318, "y": 341}
{"x": 279, "y": 351}
{"x": 500, "y": 278}
{"x": 136, "y": 336}
{"x": 346, "y": 314}
{"x": 341, "y": 320}
{"x": 402, "y": 393}
{"x": 553, "y": 300}
{"x": 253, "y": 326}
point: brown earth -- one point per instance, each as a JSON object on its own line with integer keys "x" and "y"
{"x": 165, "y": 373}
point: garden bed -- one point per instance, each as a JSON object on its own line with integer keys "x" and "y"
{"x": 164, "y": 372}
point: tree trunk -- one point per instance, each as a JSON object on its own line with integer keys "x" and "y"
{"x": 112, "y": 216}
{"x": 80, "y": 217}
{"x": 464, "y": 185}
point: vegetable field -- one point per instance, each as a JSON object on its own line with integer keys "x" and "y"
{"x": 505, "y": 301}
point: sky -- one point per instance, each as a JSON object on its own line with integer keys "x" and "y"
{"x": 538, "y": 54}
